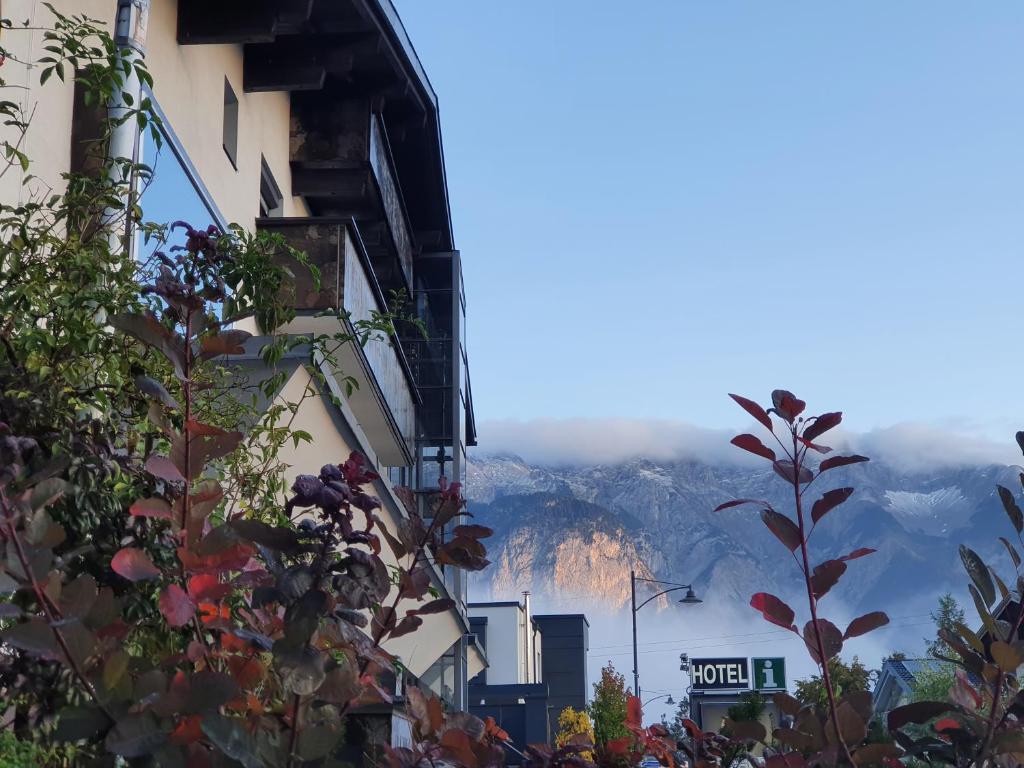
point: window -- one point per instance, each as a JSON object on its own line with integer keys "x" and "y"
{"x": 271, "y": 199}
{"x": 230, "y": 124}
{"x": 175, "y": 192}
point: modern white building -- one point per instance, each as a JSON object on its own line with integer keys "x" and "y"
{"x": 513, "y": 641}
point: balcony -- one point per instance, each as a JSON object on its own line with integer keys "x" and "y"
{"x": 385, "y": 401}
{"x": 342, "y": 165}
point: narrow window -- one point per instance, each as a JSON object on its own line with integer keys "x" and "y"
{"x": 271, "y": 199}
{"x": 230, "y": 124}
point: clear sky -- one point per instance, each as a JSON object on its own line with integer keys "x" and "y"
{"x": 660, "y": 202}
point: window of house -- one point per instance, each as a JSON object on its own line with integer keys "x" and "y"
{"x": 230, "y": 124}
{"x": 174, "y": 192}
{"x": 271, "y": 199}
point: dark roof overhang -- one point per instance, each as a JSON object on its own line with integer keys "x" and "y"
{"x": 335, "y": 50}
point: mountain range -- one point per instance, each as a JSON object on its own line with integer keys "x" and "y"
{"x": 575, "y": 531}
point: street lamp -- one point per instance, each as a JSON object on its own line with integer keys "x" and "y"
{"x": 688, "y": 599}
{"x": 670, "y": 701}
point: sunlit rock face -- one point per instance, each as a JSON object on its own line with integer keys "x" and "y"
{"x": 575, "y": 532}
{"x": 579, "y": 564}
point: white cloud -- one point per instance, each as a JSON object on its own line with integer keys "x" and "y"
{"x": 911, "y": 447}
{"x": 920, "y": 447}
{"x": 606, "y": 441}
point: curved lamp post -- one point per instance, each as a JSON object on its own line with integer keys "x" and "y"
{"x": 669, "y": 700}
{"x": 688, "y": 599}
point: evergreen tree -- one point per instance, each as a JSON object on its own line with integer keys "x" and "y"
{"x": 946, "y": 616}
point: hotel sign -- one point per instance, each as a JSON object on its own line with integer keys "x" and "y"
{"x": 720, "y": 674}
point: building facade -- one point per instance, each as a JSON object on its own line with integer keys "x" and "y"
{"x": 537, "y": 668}
{"x": 313, "y": 120}
{"x": 565, "y": 642}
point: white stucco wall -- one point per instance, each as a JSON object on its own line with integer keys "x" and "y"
{"x": 439, "y": 631}
{"x": 189, "y": 87}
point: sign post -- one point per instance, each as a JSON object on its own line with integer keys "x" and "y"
{"x": 769, "y": 674}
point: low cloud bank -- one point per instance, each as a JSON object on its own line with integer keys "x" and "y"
{"x": 910, "y": 447}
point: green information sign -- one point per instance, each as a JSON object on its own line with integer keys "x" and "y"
{"x": 769, "y": 674}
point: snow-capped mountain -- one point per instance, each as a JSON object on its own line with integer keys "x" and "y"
{"x": 577, "y": 530}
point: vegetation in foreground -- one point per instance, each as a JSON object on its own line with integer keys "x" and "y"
{"x": 166, "y": 602}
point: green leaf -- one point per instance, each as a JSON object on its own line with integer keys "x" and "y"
{"x": 918, "y": 712}
{"x": 149, "y": 331}
{"x": 985, "y": 614}
{"x": 228, "y": 735}
{"x": 7, "y": 584}
{"x": 979, "y": 574}
{"x": 34, "y": 637}
{"x": 115, "y": 668}
{"x": 277, "y": 538}
{"x": 1012, "y": 550}
{"x": 1012, "y": 510}
{"x": 135, "y": 736}
{"x": 301, "y": 669}
{"x": 77, "y": 723}
{"x": 77, "y": 598}
{"x": 317, "y": 742}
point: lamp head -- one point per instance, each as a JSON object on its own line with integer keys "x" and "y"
{"x": 690, "y": 598}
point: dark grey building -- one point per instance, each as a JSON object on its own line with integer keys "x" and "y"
{"x": 565, "y": 641}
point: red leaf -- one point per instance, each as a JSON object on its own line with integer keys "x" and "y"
{"x": 152, "y": 507}
{"x": 754, "y": 445}
{"x": 634, "y": 713}
{"x": 188, "y": 731}
{"x": 754, "y": 410}
{"x": 829, "y": 501}
{"x": 619, "y": 746}
{"x": 785, "y": 530}
{"x": 223, "y": 343}
{"x": 787, "y": 470}
{"x": 473, "y": 531}
{"x": 773, "y": 610}
{"x": 134, "y": 565}
{"x": 738, "y": 502}
{"x": 862, "y": 552}
{"x": 831, "y": 639}
{"x": 163, "y": 468}
{"x": 206, "y": 586}
{"x": 787, "y": 405}
{"x": 823, "y": 424}
{"x": 692, "y": 728}
{"x": 234, "y": 558}
{"x": 815, "y": 446}
{"x": 176, "y": 606}
{"x": 198, "y": 428}
{"x": 840, "y": 461}
{"x": 866, "y": 623}
{"x": 826, "y": 575}
{"x": 964, "y": 693}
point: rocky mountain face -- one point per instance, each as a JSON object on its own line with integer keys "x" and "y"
{"x": 576, "y": 531}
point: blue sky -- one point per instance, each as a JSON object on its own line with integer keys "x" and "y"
{"x": 662, "y": 202}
